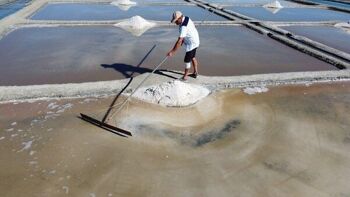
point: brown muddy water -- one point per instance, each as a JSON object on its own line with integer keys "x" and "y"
{"x": 289, "y": 141}
{"x": 81, "y": 54}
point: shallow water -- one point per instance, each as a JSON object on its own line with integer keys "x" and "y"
{"x": 240, "y": 1}
{"x": 292, "y": 14}
{"x": 289, "y": 141}
{"x": 10, "y": 8}
{"x": 81, "y": 11}
{"x": 340, "y": 39}
{"x": 158, "y": 1}
{"x": 80, "y": 54}
{"x": 251, "y": 2}
{"x": 332, "y": 3}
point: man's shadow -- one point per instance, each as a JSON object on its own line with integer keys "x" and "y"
{"x": 129, "y": 71}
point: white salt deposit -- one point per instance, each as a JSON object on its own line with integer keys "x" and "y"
{"x": 1, "y": 138}
{"x": 64, "y": 107}
{"x": 273, "y": 7}
{"x": 136, "y": 25}
{"x": 33, "y": 162}
{"x": 52, "y": 106}
{"x": 173, "y": 93}
{"x": 66, "y": 189}
{"x": 14, "y": 123}
{"x": 51, "y": 116}
{"x": 344, "y": 26}
{"x": 92, "y": 194}
{"x": 27, "y": 145}
{"x": 123, "y": 4}
{"x": 34, "y": 122}
{"x": 254, "y": 90}
{"x": 272, "y": 10}
{"x": 275, "y": 4}
{"x": 88, "y": 100}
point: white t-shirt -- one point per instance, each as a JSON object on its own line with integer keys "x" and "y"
{"x": 190, "y": 34}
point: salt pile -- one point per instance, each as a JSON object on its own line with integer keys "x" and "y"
{"x": 273, "y": 7}
{"x": 343, "y": 26}
{"x": 124, "y": 4}
{"x": 275, "y": 4}
{"x": 254, "y": 90}
{"x": 136, "y": 25}
{"x": 173, "y": 94}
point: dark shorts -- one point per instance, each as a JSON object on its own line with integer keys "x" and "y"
{"x": 190, "y": 55}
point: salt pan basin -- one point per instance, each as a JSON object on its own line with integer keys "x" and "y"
{"x": 81, "y": 11}
{"x": 289, "y": 141}
{"x": 339, "y": 39}
{"x": 32, "y": 56}
{"x": 292, "y": 14}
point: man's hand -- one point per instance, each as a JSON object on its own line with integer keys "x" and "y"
{"x": 170, "y": 53}
{"x": 177, "y": 45}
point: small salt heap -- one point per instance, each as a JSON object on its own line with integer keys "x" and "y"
{"x": 275, "y": 4}
{"x": 254, "y": 90}
{"x": 173, "y": 94}
{"x": 136, "y": 25}
{"x": 124, "y": 4}
{"x": 343, "y": 26}
{"x": 273, "y": 7}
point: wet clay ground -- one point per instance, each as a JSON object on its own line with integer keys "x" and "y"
{"x": 289, "y": 141}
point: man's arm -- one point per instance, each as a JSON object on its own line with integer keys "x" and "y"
{"x": 176, "y": 46}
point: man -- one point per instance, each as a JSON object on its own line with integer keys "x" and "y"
{"x": 189, "y": 37}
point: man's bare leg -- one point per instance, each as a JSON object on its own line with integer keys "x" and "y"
{"x": 195, "y": 66}
{"x": 185, "y": 74}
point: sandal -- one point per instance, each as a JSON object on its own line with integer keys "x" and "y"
{"x": 194, "y": 75}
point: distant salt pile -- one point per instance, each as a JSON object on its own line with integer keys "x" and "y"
{"x": 124, "y": 4}
{"x": 255, "y": 90}
{"x": 136, "y": 25}
{"x": 275, "y": 4}
{"x": 273, "y": 7}
{"x": 344, "y": 26}
{"x": 173, "y": 94}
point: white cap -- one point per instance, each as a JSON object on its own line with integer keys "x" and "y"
{"x": 176, "y": 15}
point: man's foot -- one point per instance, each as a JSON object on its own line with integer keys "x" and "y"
{"x": 194, "y": 75}
{"x": 183, "y": 79}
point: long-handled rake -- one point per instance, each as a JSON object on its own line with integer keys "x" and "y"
{"x": 102, "y": 124}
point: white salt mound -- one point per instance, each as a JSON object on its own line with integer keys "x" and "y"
{"x": 123, "y": 2}
{"x": 136, "y": 25}
{"x": 343, "y": 26}
{"x": 173, "y": 94}
{"x": 254, "y": 90}
{"x": 275, "y": 5}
